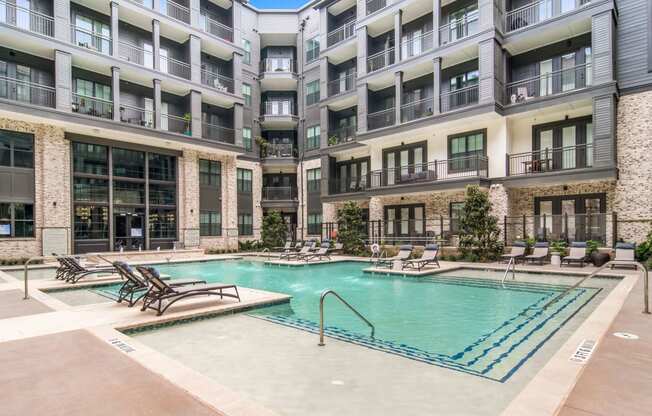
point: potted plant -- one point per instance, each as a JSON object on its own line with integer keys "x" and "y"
{"x": 332, "y": 141}
{"x": 187, "y": 118}
{"x": 557, "y": 250}
{"x": 595, "y": 255}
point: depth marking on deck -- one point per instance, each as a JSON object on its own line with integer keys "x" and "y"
{"x": 583, "y": 351}
{"x": 121, "y": 345}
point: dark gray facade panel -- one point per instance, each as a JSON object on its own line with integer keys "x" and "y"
{"x": 245, "y": 203}
{"x": 210, "y": 199}
{"x": 634, "y": 44}
{"x": 604, "y": 131}
{"x": 602, "y": 44}
{"x": 16, "y": 185}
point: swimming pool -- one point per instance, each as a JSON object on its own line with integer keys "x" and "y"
{"x": 468, "y": 324}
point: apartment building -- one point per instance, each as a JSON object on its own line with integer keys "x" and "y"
{"x": 137, "y": 125}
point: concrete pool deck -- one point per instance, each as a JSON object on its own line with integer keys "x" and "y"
{"x": 600, "y": 376}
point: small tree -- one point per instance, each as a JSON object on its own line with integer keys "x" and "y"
{"x": 479, "y": 232}
{"x": 350, "y": 226}
{"x": 274, "y": 232}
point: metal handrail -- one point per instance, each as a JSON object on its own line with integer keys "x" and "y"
{"x": 321, "y": 314}
{"x": 511, "y": 265}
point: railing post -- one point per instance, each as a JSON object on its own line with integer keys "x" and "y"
{"x": 545, "y": 229}
{"x": 614, "y": 229}
{"x": 477, "y": 165}
{"x": 566, "y": 226}
{"x": 524, "y": 232}
{"x": 441, "y": 227}
{"x": 505, "y": 229}
{"x": 506, "y": 164}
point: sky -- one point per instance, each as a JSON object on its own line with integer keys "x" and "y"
{"x": 278, "y": 4}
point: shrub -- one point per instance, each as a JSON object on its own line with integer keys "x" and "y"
{"x": 249, "y": 245}
{"x": 479, "y": 232}
{"x": 591, "y": 246}
{"x": 558, "y": 246}
{"x": 350, "y": 226}
{"x": 274, "y": 232}
{"x": 644, "y": 250}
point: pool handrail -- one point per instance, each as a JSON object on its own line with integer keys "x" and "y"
{"x": 321, "y": 314}
{"x": 510, "y": 266}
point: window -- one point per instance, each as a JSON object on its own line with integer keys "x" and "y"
{"x": 128, "y": 163}
{"x": 312, "y": 92}
{"x": 246, "y": 93}
{"x": 314, "y": 180}
{"x": 16, "y": 220}
{"x": 245, "y": 224}
{"x": 210, "y": 172}
{"x": 90, "y": 158}
{"x": 312, "y": 137}
{"x": 246, "y": 139}
{"x": 456, "y": 209}
{"x": 162, "y": 167}
{"x": 312, "y": 49}
{"x": 91, "y": 222}
{"x": 92, "y": 34}
{"x": 244, "y": 180}
{"x": 465, "y": 151}
{"x": 162, "y": 223}
{"x": 314, "y": 224}
{"x": 247, "y": 51}
{"x": 16, "y": 149}
{"x": 210, "y": 224}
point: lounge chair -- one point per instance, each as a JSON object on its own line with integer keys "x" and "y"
{"x": 404, "y": 253}
{"x": 76, "y": 271}
{"x": 517, "y": 253}
{"x": 539, "y": 254}
{"x": 161, "y": 295}
{"x": 317, "y": 255}
{"x": 338, "y": 248}
{"x": 625, "y": 255}
{"x": 305, "y": 250}
{"x": 577, "y": 254}
{"x": 429, "y": 256}
{"x": 288, "y": 250}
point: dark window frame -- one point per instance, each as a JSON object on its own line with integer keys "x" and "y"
{"x": 210, "y": 228}
{"x": 244, "y": 228}
{"x": 12, "y": 148}
{"x": 313, "y": 185}
{"x": 244, "y": 186}
{"x": 11, "y": 220}
{"x": 453, "y": 167}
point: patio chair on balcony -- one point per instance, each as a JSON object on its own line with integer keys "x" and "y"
{"x": 625, "y": 255}
{"x": 577, "y": 254}
{"x": 539, "y": 254}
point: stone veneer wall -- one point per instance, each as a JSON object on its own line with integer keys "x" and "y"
{"x": 521, "y": 200}
{"x": 52, "y": 186}
{"x": 633, "y": 191}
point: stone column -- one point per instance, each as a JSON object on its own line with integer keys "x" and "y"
{"x": 115, "y": 92}
{"x": 363, "y": 98}
{"x": 115, "y": 29}
{"x": 436, "y": 13}
{"x": 237, "y": 21}
{"x": 230, "y": 200}
{"x": 323, "y": 78}
{"x": 157, "y": 103}
{"x": 398, "y": 98}
{"x": 323, "y": 27}
{"x": 237, "y": 74}
{"x": 195, "y": 112}
{"x": 195, "y": 59}
{"x": 486, "y": 14}
{"x": 323, "y": 127}
{"x": 156, "y": 43}
{"x": 238, "y": 110}
{"x": 63, "y": 80}
{"x": 156, "y": 6}
{"x": 499, "y": 199}
{"x": 62, "y": 29}
{"x": 436, "y": 85}
{"x": 195, "y": 14}
{"x": 190, "y": 204}
{"x": 362, "y": 50}
{"x": 361, "y": 8}
{"x": 398, "y": 35}
{"x": 325, "y": 176}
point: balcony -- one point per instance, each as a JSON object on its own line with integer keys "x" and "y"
{"x": 175, "y": 11}
{"x": 341, "y": 135}
{"x": 279, "y": 114}
{"x": 216, "y": 28}
{"x": 458, "y": 29}
{"x": 342, "y": 33}
{"x": 380, "y": 119}
{"x": 27, "y": 92}
{"x": 217, "y": 81}
{"x": 90, "y": 40}
{"x": 550, "y": 160}
{"x": 176, "y": 124}
{"x": 136, "y": 54}
{"x": 174, "y": 67}
{"x": 416, "y": 45}
{"x": 463, "y": 168}
{"x": 548, "y": 84}
{"x": 278, "y": 74}
{"x": 457, "y": 99}
{"x": 278, "y": 151}
{"x": 341, "y": 85}
{"x": 137, "y": 116}
{"x": 278, "y": 65}
{"x": 218, "y": 133}
{"x": 92, "y": 106}
{"x": 22, "y": 18}
{"x": 375, "y": 5}
{"x": 417, "y": 109}
{"x": 380, "y": 60}
{"x": 279, "y": 193}
{"x": 533, "y": 13}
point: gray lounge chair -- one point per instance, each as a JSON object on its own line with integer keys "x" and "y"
{"x": 318, "y": 255}
{"x": 305, "y": 250}
{"x": 429, "y": 256}
{"x": 162, "y": 295}
{"x": 404, "y": 254}
{"x": 577, "y": 254}
{"x": 517, "y": 253}
{"x": 539, "y": 254}
{"x": 625, "y": 255}
{"x": 76, "y": 271}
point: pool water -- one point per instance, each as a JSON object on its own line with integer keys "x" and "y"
{"x": 468, "y": 324}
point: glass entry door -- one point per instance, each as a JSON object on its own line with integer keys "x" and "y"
{"x": 129, "y": 229}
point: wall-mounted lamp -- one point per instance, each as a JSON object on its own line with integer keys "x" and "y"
{"x": 54, "y": 204}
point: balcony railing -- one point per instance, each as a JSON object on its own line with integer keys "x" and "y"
{"x": 175, "y": 11}
{"x": 380, "y": 60}
{"x": 416, "y": 45}
{"x": 137, "y": 116}
{"x": 342, "y": 33}
{"x": 458, "y": 29}
{"x": 90, "y": 40}
{"x": 279, "y": 108}
{"x": 27, "y": 92}
{"x": 381, "y": 119}
{"x": 341, "y": 135}
{"x": 549, "y": 160}
{"x": 22, "y": 18}
{"x": 218, "y": 133}
{"x": 176, "y": 124}
{"x": 279, "y": 193}
{"x": 440, "y": 170}
{"x": 278, "y": 65}
{"x": 463, "y": 97}
{"x": 341, "y": 85}
{"x": 532, "y": 13}
{"x": 566, "y": 227}
{"x": 550, "y": 83}
{"x": 278, "y": 150}
{"x": 136, "y": 54}
{"x": 417, "y": 109}
{"x": 217, "y": 81}
{"x": 174, "y": 67}
{"x": 92, "y": 106}
{"x": 375, "y": 5}
{"x": 218, "y": 29}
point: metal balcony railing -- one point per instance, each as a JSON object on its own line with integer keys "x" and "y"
{"x": 381, "y": 119}
{"x": 137, "y": 116}
{"x": 417, "y": 109}
{"x": 550, "y": 83}
{"x": 380, "y": 60}
{"x": 458, "y": 29}
{"x": 278, "y": 150}
{"x": 218, "y": 133}
{"x": 136, "y": 54}
{"x": 279, "y": 193}
{"x": 90, "y": 40}
{"x": 92, "y": 106}
{"x": 176, "y": 124}
{"x": 175, "y": 11}
{"x": 375, "y": 5}
{"x": 217, "y": 81}
{"x": 341, "y": 135}
{"x": 550, "y": 160}
{"x": 342, "y": 33}
{"x": 27, "y": 92}
{"x": 278, "y": 65}
{"x": 463, "y": 97}
{"x": 218, "y": 29}
{"x": 533, "y": 13}
{"x": 554, "y": 227}
{"x": 279, "y": 108}
{"x": 22, "y": 18}
{"x": 174, "y": 67}
{"x": 416, "y": 45}
{"x": 341, "y": 85}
